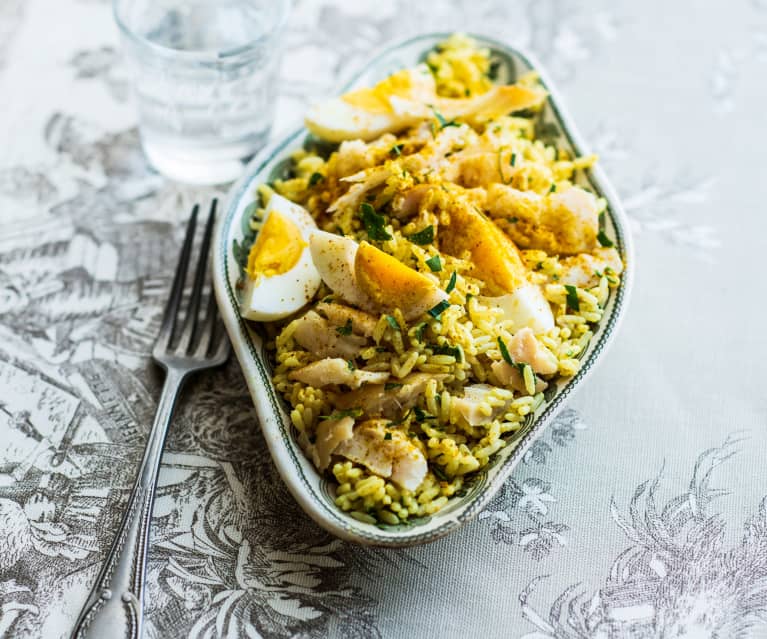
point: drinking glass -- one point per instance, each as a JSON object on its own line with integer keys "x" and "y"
{"x": 204, "y": 77}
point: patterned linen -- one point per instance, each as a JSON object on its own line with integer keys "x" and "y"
{"x": 640, "y": 512}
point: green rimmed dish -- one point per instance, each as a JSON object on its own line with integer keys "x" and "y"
{"x": 313, "y": 492}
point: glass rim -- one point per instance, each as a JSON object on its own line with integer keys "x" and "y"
{"x": 201, "y": 55}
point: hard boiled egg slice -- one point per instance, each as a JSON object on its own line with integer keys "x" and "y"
{"x": 495, "y": 258}
{"x": 371, "y": 279}
{"x": 391, "y": 105}
{"x": 333, "y": 256}
{"x": 280, "y": 275}
{"x": 391, "y": 284}
{"x": 406, "y": 98}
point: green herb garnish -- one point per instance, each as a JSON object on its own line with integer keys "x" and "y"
{"x": 374, "y": 223}
{"x": 392, "y": 321}
{"x": 446, "y": 349}
{"x": 512, "y": 220}
{"x": 396, "y": 150}
{"x": 346, "y": 329}
{"x": 350, "y": 365}
{"x": 438, "y": 309}
{"x": 316, "y": 178}
{"x": 451, "y": 283}
{"x": 505, "y": 352}
{"x": 420, "y": 331}
{"x": 434, "y": 263}
{"x": 391, "y": 386}
{"x": 400, "y": 420}
{"x": 421, "y": 415}
{"x": 604, "y": 240}
{"x": 552, "y": 188}
{"x": 439, "y": 473}
{"x": 443, "y": 123}
{"x": 513, "y": 160}
{"x": 387, "y": 436}
{"x": 424, "y": 236}
{"x": 572, "y": 297}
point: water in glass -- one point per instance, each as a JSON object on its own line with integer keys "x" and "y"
{"x": 204, "y": 80}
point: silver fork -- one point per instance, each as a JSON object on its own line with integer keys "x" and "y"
{"x": 114, "y": 607}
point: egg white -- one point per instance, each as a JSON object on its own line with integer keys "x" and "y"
{"x": 269, "y": 298}
{"x": 334, "y": 256}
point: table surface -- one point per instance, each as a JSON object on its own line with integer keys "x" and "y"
{"x": 640, "y": 511}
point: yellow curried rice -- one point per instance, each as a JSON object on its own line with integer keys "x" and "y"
{"x": 458, "y": 346}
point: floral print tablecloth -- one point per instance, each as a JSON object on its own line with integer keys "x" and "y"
{"x": 641, "y": 512}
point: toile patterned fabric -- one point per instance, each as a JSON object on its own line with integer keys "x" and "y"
{"x": 642, "y": 510}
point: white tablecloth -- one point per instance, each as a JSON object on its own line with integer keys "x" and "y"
{"x": 639, "y": 513}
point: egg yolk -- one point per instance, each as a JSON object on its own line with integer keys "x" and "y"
{"x": 277, "y": 248}
{"x": 376, "y": 99}
{"x": 387, "y": 281}
{"x": 495, "y": 257}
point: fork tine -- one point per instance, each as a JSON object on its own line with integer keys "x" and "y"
{"x": 177, "y": 288}
{"x": 190, "y": 330}
{"x": 207, "y": 331}
{"x": 222, "y": 350}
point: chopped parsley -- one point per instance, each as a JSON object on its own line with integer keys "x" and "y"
{"x": 443, "y": 123}
{"x": 350, "y": 365}
{"x": 451, "y": 283}
{"x": 438, "y": 309}
{"x": 420, "y": 331}
{"x": 446, "y": 349}
{"x": 439, "y": 473}
{"x": 552, "y": 188}
{"x": 374, "y": 223}
{"x": 346, "y": 329}
{"x": 513, "y": 160}
{"x": 434, "y": 263}
{"x": 387, "y": 436}
{"x": 340, "y": 414}
{"x": 512, "y": 220}
{"x": 505, "y": 352}
{"x": 396, "y": 150}
{"x": 392, "y": 321}
{"x": 424, "y": 236}
{"x": 572, "y": 297}
{"x": 316, "y": 178}
{"x": 400, "y": 420}
{"x": 604, "y": 240}
{"x": 391, "y": 386}
{"x": 421, "y": 415}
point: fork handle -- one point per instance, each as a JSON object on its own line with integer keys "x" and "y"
{"x": 114, "y": 608}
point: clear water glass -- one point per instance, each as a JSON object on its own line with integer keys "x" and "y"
{"x": 204, "y": 77}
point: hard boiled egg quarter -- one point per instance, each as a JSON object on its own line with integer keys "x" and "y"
{"x": 371, "y": 279}
{"x": 406, "y": 98}
{"x": 391, "y": 105}
{"x": 280, "y": 275}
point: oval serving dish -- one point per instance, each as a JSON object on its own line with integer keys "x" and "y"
{"x": 313, "y": 492}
